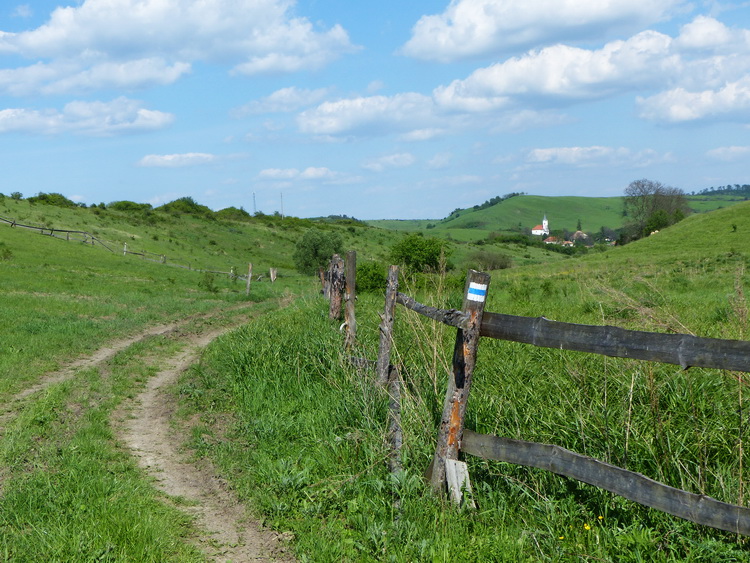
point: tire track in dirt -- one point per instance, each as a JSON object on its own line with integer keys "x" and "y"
{"x": 232, "y": 535}
{"x": 144, "y": 426}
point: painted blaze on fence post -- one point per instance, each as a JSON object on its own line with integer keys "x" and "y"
{"x": 459, "y": 384}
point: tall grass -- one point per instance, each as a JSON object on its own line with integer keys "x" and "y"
{"x": 308, "y": 442}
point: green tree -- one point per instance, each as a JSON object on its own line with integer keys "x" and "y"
{"x": 314, "y": 249}
{"x": 644, "y": 198}
{"x": 419, "y": 253}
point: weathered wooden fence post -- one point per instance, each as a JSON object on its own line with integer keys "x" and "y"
{"x": 459, "y": 384}
{"x": 386, "y": 326}
{"x": 336, "y": 286}
{"x": 350, "y": 295}
{"x": 249, "y": 278}
{"x": 388, "y": 374}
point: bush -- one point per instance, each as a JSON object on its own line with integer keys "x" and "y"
{"x": 488, "y": 260}
{"x": 314, "y": 249}
{"x": 419, "y": 253}
{"x": 5, "y": 252}
{"x": 371, "y": 277}
{"x": 52, "y": 199}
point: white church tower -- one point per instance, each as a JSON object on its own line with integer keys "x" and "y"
{"x": 542, "y": 229}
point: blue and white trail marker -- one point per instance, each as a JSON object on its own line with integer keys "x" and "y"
{"x": 477, "y": 292}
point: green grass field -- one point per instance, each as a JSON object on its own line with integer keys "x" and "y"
{"x": 299, "y": 433}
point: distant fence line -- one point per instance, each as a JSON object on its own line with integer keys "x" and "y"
{"x": 88, "y": 238}
{"x": 472, "y": 323}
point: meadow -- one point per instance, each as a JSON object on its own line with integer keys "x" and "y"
{"x": 300, "y": 433}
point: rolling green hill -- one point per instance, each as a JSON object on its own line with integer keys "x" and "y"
{"x": 522, "y": 212}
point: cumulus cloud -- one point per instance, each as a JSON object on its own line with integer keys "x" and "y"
{"x": 398, "y": 160}
{"x": 564, "y": 72}
{"x": 98, "y": 37}
{"x": 176, "y": 160}
{"x": 732, "y": 101}
{"x": 469, "y": 28}
{"x": 101, "y": 119}
{"x": 729, "y": 154}
{"x": 370, "y": 115}
{"x": 309, "y": 173}
{"x": 703, "y": 72}
{"x": 594, "y": 156}
{"x": 283, "y": 101}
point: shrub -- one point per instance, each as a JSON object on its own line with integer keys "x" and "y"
{"x": 419, "y": 253}
{"x": 52, "y": 199}
{"x": 488, "y": 260}
{"x": 5, "y": 252}
{"x": 314, "y": 249}
{"x": 371, "y": 277}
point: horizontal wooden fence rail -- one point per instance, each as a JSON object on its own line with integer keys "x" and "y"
{"x": 678, "y": 349}
{"x": 700, "y": 509}
{"x": 681, "y": 349}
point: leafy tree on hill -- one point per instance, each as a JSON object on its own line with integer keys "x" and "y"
{"x": 314, "y": 249}
{"x": 649, "y": 203}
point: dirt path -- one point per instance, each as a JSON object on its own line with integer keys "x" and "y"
{"x": 148, "y": 433}
{"x": 143, "y": 425}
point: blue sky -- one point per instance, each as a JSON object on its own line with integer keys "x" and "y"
{"x": 370, "y": 109}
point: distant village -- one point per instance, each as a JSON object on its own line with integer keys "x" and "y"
{"x": 578, "y": 237}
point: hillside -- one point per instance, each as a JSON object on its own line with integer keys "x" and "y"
{"x": 521, "y": 212}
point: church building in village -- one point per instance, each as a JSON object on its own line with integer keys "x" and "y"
{"x": 542, "y": 229}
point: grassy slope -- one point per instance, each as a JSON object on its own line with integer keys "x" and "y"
{"x": 527, "y": 211}
{"x": 685, "y": 276}
{"x": 316, "y": 465}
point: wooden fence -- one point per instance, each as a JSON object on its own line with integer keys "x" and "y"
{"x": 88, "y": 238}
{"x": 472, "y": 323}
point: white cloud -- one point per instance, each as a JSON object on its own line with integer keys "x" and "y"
{"x": 564, "y": 72}
{"x": 398, "y": 160}
{"x": 282, "y": 101}
{"x": 98, "y": 37}
{"x": 101, "y": 119}
{"x": 74, "y": 76}
{"x": 732, "y": 101}
{"x": 176, "y": 160}
{"x": 469, "y": 28}
{"x": 729, "y": 154}
{"x": 371, "y": 115}
{"x": 594, "y": 156}
{"x": 705, "y": 33}
{"x": 423, "y": 134}
{"x": 309, "y": 173}
{"x": 440, "y": 161}
{"x": 23, "y": 11}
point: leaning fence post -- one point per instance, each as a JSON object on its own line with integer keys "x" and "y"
{"x": 350, "y": 294}
{"x": 386, "y": 326}
{"x": 249, "y": 278}
{"x": 459, "y": 384}
{"x": 336, "y": 282}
